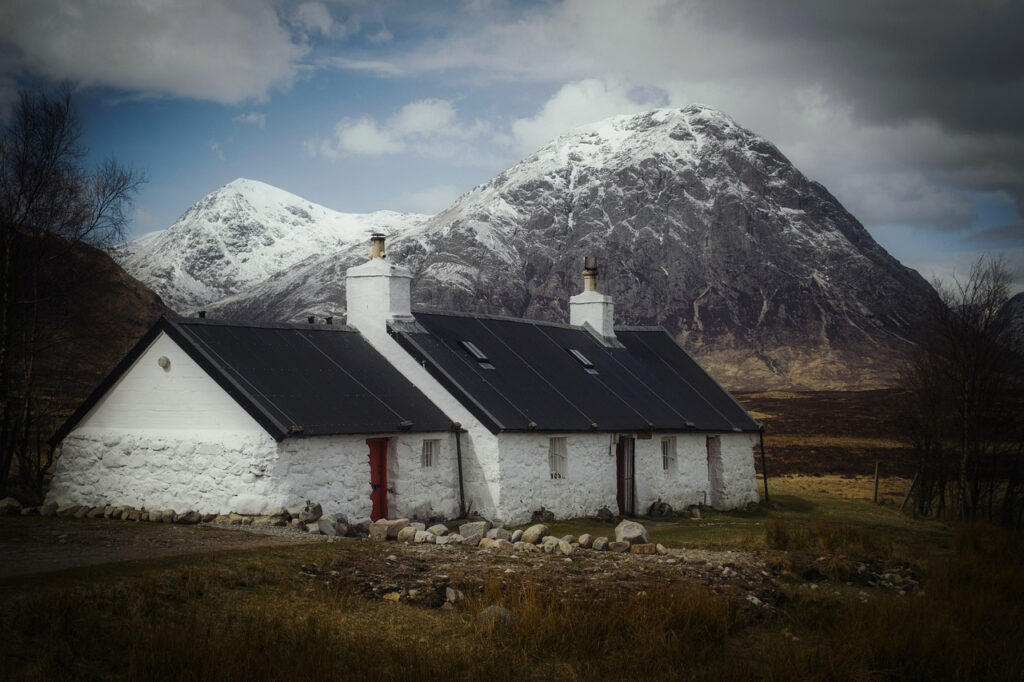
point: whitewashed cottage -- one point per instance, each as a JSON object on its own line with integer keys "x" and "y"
{"x": 403, "y": 413}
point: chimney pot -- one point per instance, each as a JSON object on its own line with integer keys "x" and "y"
{"x": 590, "y": 273}
{"x": 377, "y": 246}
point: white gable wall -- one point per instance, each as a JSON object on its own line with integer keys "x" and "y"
{"x": 181, "y": 397}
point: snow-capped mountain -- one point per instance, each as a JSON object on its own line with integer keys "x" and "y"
{"x": 699, "y": 224}
{"x": 240, "y": 235}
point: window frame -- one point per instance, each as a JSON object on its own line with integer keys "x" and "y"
{"x": 669, "y": 455}
{"x": 429, "y": 453}
{"x": 558, "y": 458}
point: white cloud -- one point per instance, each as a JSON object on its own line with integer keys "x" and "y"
{"x": 428, "y": 127}
{"x": 430, "y": 200}
{"x": 217, "y": 148}
{"x": 223, "y": 50}
{"x": 573, "y": 105}
{"x": 315, "y": 18}
{"x": 381, "y": 36}
{"x": 375, "y": 66}
{"x": 253, "y": 118}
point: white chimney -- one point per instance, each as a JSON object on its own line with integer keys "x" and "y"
{"x": 377, "y": 291}
{"x": 590, "y": 307}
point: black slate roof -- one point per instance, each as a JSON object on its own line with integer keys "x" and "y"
{"x": 293, "y": 379}
{"x": 530, "y": 380}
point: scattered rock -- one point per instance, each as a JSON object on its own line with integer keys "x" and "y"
{"x": 605, "y": 514}
{"x": 542, "y": 515}
{"x": 30, "y": 511}
{"x": 632, "y": 532}
{"x": 453, "y": 596}
{"x": 330, "y": 526}
{"x": 190, "y": 518}
{"x": 662, "y": 549}
{"x": 81, "y": 512}
{"x": 754, "y": 600}
{"x": 438, "y": 529}
{"x": 517, "y": 535}
{"x": 485, "y": 543}
{"x": 169, "y": 515}
{"x": 619, "y": 546}
{"x": 422, "y": 536}
{"x": 644, "y": 548}
{"x": 474, "y": 531}
{"x": 600, "y": 544}
{"x": 65, "y": 512}
{"x": 565, "y": 548}
{"x": 208, "y": 518}
{"x": 48, "y": 509}
{"x": 499, "y": 534}
{"x": 95, "y": 513}
{"x": 135, "y": 515}
{"x": 361, "y": 529}
{"x": 407, "y": 534}
{"x": 503, "y": 545}
{"x": 586, "y": 540}
{"x": 9, "y": 505}
{"x": 535, "y": 533}
{"x": 311, "y": 512}
{"x": 569, "y": 538}
{"x": 659, "y": 508}
{"x": 694, "y": 511}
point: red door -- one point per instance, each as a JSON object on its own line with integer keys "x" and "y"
{"x": 378, "y": 477}
{"x": 624, "y": 464}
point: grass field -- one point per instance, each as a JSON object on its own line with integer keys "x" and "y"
{"x": 256, "y": 615}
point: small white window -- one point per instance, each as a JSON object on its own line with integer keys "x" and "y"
{"x": 431, "y": 449}
{"x": 668, "y": 454}
{"x": 556, "y": 458}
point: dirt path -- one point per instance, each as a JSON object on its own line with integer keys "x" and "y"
{"x": 42, "y": 545}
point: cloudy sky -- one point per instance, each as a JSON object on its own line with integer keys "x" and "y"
{"x": 910, "y": 112}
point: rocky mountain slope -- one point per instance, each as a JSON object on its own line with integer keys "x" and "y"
{"x": 700, "y": 225}
{"x": 239, "y": 236}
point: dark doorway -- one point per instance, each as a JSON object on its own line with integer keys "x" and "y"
{"x": 625, "y": 462}
{"x": 378, "y": 477}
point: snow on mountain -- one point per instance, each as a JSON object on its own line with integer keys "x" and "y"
{"x": 699, "y": 224}
{"x": 240, "y": 235}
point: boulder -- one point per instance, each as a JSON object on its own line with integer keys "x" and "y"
{"x": 535, "y": 533}
{"x": 11, "y": 506}
{"x": 407, "y": 534}
{"x": 659, "y": 508}
{"x": 586, "y": 540}
{"x": 569, "y": 538}
{"x": 474, "y": 531}
{"x": 48, "y": 509}
{"x": 499, "y": 534}
{"x": 96, "y": 513}
{"x": 517, "y": 535}
{"x": 542, "y": 515}
{"x": 424, "y": 537}
{"x": 605, "y": 514}
{"x": 81, "y": 512}
{"x": 619, "y": 546}
{"x": 379, "y": 530}
{"x": 600, "y": 544}
{"x": 503, "y": 545}
{"x": 168, "y": 516}
{"x": 394, "y": 526}
{"x": 438, "y": 529}
{"x": 330, "y": 526}
{"x": 135, "y": 515}
{"x": 189, "y": 518}
{"x": 417, "y": 525}
{"x": 662, "y": 549}
{"x": 30, "y": 511}
{"x": 311, "y": 512}
{"x": 565, "y": 548}
{"x": 486, "y": 543}
{"x": 632, "y": 532}
{"x": 644, "y": 548}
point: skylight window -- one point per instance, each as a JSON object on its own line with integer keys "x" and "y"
{"x": 582, "y": 359}
{"x": 477, "y": 354}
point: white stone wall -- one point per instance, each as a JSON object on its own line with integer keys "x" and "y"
{"x": 249, "y": 473}
{"x": 682, "y": 485}
{"x": 739, "y": 476}
{"x": 526, "y": 483}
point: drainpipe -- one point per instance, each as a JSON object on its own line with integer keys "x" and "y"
{"x": 764, "y": 470}
{"x": 457, "y": 427}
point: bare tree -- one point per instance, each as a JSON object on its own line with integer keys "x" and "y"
{"x": 963, "y": 407}
{"x": 50, "y": 203}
